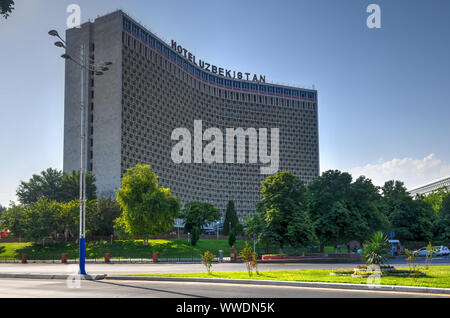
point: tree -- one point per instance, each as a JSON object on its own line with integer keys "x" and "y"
{"x": 103, "y": 215}
{"x": 285, "y": 205}
{"x": 436, "y": 197}
{"x": 71, "y": 186}
{"x": 231, "y": 238}
{"x": 55, "y": 185}
{"x": 68, "y": 218}
{"x": 40, "y": 219}
{"x": 46, "y": 185}
{"x": 328, "y": 196}
{"x": 343, "y": 210}
{"x": 147, "y": 209}
{"x": 230, "y": 217}
{"x": 257, "y": 225}
{"x": 13, "y": 219}
{"x": 441, "y": 227}
{"x": 198, "y": 214}
{"x": 411, "y": 220}
{"x": 2, "y": 209}
{"x": 195, "y": 235}
{"x": 368, "y": 214}
{"x": 6, "y": 7}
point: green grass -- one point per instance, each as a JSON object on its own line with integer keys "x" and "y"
{"x": 119, "y": 249}
{"x": 437, "y": 276}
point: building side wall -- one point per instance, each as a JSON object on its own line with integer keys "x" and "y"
{"x": 104, "y": 103}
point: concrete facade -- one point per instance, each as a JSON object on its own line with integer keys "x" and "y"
{"x": 150, "y": 90}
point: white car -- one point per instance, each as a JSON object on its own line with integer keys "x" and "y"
{"x": 440, "y": 251}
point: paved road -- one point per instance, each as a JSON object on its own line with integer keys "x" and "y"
{"x": 117, "y": 269}
{"x": 20, "y": 288}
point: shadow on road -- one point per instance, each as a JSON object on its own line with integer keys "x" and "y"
{"x": 152, "y": 289}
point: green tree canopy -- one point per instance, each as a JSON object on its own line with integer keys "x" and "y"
{"x": 55, "y": 185}
{"x": 105, "y": 212}
{"x": 230, "y": 217}
{"x": 13, "y": 219}
{"x": 285, "y": 211}
{"x": 147, "y": 209}
{"x": 436, "y": 197}
{"x": 6, "y": 7}
{"x": 343, "y": 210}
{"x": 198, "y": 214}
{"x": 328, "y": 198}
{"x": 441, "y": 226}
{"x": 40, "y": 219}
{"x": 410, "y": 219}
{"x": 71, "y": 186}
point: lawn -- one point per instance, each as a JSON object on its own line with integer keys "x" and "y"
{"x": 437, "y": 276}
{"x": 171, "y": 248}
{"x": 119, "y": 249}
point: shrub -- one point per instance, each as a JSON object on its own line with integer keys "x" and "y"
{"x": 376, "y": 250}
{"x": 431, "y": 252}
{"x": 207, "y": 259}
{"x": 250, "y": 258}
{"x": 195, "y": 235}
{"x": 411, "y": 259}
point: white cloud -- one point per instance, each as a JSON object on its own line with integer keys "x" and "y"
{"x": 413, "y": 172}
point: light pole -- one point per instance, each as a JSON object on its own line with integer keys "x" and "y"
{"x": 85, "y": 67}
{"x": 217, "y": 224}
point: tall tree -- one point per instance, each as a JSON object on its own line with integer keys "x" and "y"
{"x": 286, "y": 217}
{"x": 53, "y": 184}
{"x": 343, "y": 210}
{"x": 40, "y": 219}
{"x": 71, "y": 186}
{"x": 68, "y": 218}
{"x": 198, "y": 214}
{"x": 230, "y": 218}
{"x": 6, "y": 7}
{"x": 328, "y": 204}
{"x": 441, "y": 227}
{"x": 47, "y": 185}
{"x": 410, "y": 219}
{"x": 2, "y": 208}
{"x": 436, "y": 197}
{"x": 13, "y": 219}
{"x": 365, "y": 202}
{"x": 147, "y": 208}
{"x": 105, "y": 212}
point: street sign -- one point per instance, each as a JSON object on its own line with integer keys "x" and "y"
{"x": 391, "y": 234}
{"x": 254, "y": 237}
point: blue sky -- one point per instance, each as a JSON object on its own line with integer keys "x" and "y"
{"x": 384, "y": 94}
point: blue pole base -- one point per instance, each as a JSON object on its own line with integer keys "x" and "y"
{"x": 82, "y": 256}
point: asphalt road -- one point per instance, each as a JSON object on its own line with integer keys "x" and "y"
{"x": 118, "y": 269}
{"x": 20, "y": 288}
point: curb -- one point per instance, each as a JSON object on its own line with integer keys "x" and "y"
{"x": 287, "y": 283}
{"x": 57, "y": 276}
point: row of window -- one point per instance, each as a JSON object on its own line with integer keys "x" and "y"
{"x": 144, "y": 36}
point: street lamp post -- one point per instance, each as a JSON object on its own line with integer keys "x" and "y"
{"x": 218, "y": 222}
{"x": 85, "y": 67}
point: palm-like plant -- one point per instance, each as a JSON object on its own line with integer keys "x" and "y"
{"x": 376, "y": 250}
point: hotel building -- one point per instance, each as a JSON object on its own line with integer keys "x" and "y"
{"x": 154, "y": 87}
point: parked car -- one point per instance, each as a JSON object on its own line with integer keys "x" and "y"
{"x": 440, "y": 251}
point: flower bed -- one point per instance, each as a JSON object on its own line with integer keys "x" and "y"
{"x": 342, "y": 272}
{"x": 363, "y": 271}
